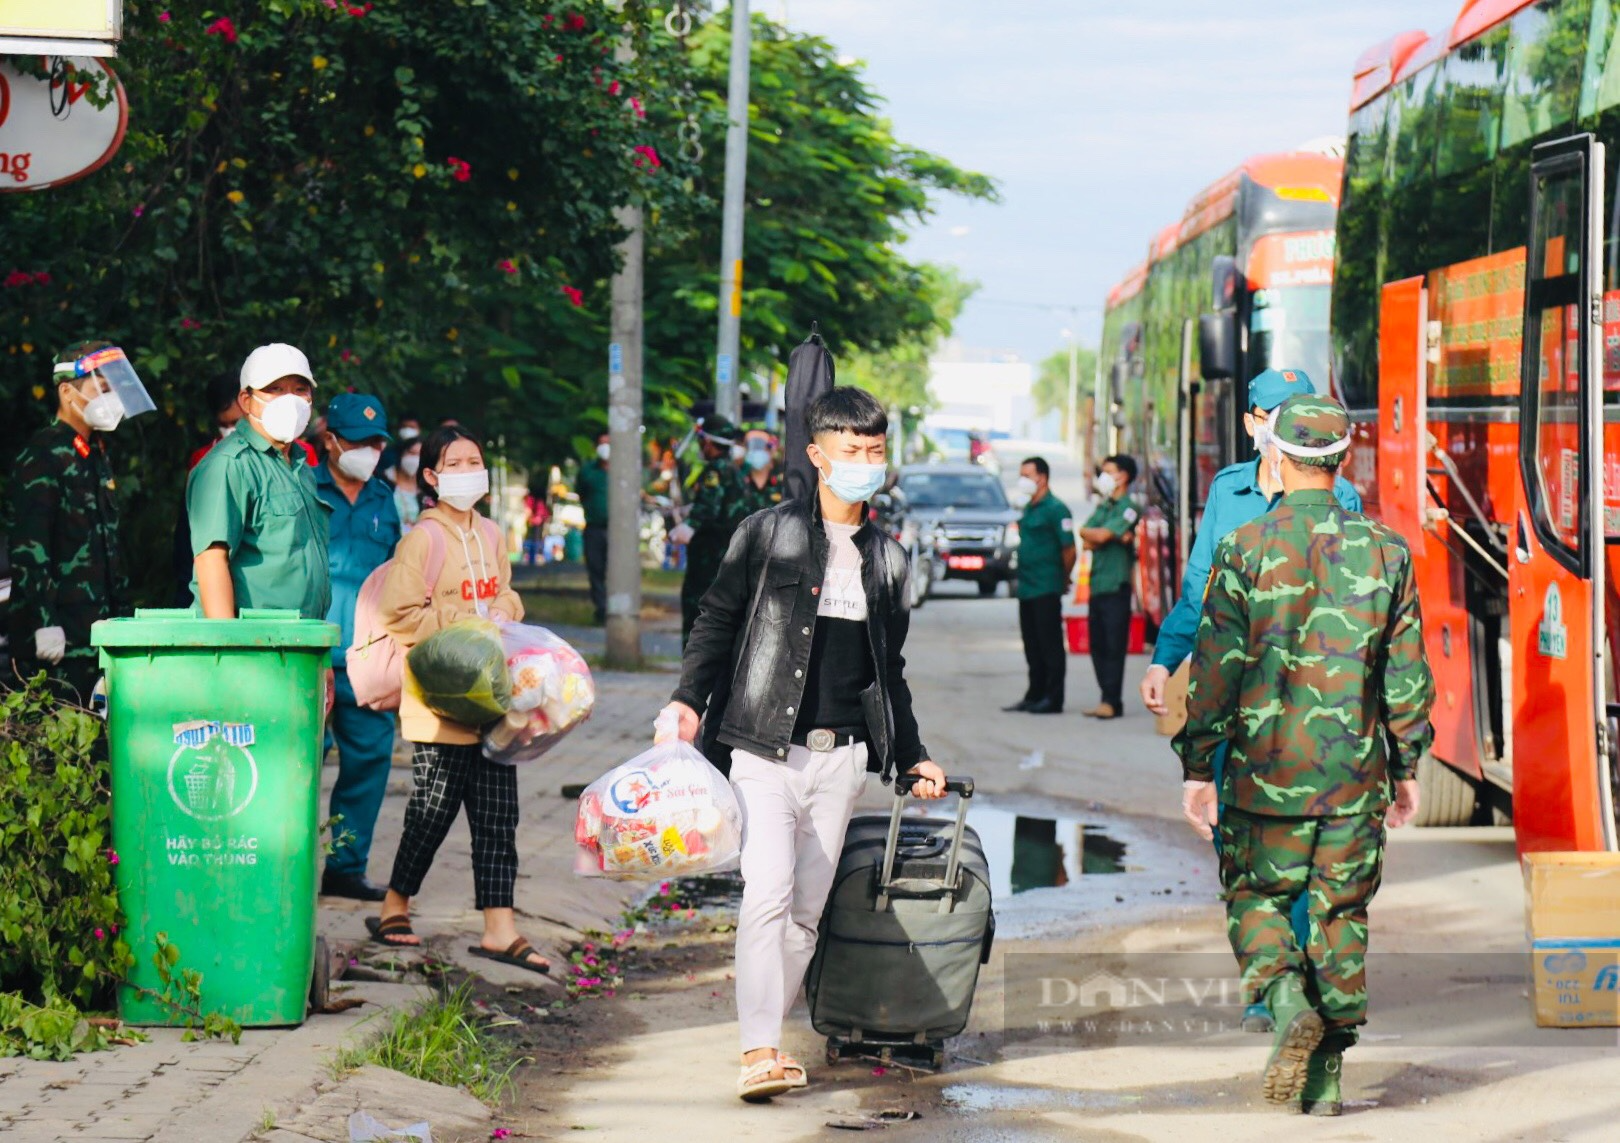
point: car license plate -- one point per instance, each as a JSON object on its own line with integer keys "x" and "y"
{"x": 966, "y": 563}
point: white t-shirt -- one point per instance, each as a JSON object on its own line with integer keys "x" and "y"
{"x": 842, "y": 596}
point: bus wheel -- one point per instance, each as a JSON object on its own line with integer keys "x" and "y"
{"x": 1447, "y": 797}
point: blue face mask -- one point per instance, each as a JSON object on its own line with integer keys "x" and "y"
{"x": 758, "y": 458}
{"x": 853, "y": 482}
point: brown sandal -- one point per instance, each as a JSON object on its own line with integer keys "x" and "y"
{"x": 516, "y": 955}
{"x": 383, "y": 930}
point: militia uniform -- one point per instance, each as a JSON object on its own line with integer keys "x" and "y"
{"x": 592, "y": 489}
{"x": 719, "y": 504}
{"x": 65, "y": 564}
{"x": 1109, "y": 605}
{"x": 756, "y": 498}
{"x": 1309, "y": 665}
{"x": 1045, "y": 533}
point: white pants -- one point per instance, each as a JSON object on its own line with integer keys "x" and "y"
{"x": 795, "y": 813}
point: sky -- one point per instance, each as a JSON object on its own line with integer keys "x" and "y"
{"x": 1100, "y": 119}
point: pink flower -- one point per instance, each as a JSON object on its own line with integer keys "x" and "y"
{"x": 506, "y": 266}
{"x": 576, "y": 22}
{"x": 557, "y": 58}
{"x": 635, "y": 105}
{"x": 880, "y": 1071}
{"x": 42, "y": 279}
{"x": 664, "y": 888}
{"x": 190, "y": 323}
{"x": 588, "y": 947}
{"x": 349, "y": 357}
{"x": 100, "y": 936}
{"x": 591, "y": 960}
{"x": 18, "y": 278}
{"x": 112, "y": 857}
{"x": 460, "y": 169}
{"x": 609, "y": 992}
{"x": 163, "y": 17}
{"x": 575, "y": 295}
{"x": 224, "y": 26}
{"x": 545, "y": 21}
{"x": 646, "y": 157}
{"x": 613, "y": 88}
{"x": 140, "y": 209}
{"x": 500, "y": 1133}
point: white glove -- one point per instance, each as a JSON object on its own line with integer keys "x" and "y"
{"x": 680, "y": 534}
{"x": 50, "y": 644}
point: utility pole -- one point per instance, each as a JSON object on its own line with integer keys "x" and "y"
{"x": 623, "y": 634}
{"x": 726, "y": 366}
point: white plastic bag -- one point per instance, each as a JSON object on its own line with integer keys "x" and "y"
{"x": 365, "y": 1129}
{"x": 667, "y": 812}
{"x": 552, "y": 692}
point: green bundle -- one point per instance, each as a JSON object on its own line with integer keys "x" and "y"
{"x": 460, "y": 673}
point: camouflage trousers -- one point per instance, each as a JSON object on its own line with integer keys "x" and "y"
{"x": 1267, "y": 863}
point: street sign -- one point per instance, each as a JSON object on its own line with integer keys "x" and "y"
{"x": 60, "y": 27}
{"x": 40, "y": 147}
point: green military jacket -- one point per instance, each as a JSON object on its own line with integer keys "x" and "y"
{"x": 757, "y": 499}
{"x": 718, "y": 502}
{"x": 1045, "y": 532}
{"x": 591, "y": 485}
{"x": 1309, "y": 658}
{"x": 264, "y": 508}
{"x": 1111, "y": 563}
{"x": 65, "y": 565}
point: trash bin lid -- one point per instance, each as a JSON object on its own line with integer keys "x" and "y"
{"x": 182, "y": 627}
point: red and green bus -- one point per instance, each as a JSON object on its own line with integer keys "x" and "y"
{"x": 1239, "y": 283}
{"x": 1476, "y": 339}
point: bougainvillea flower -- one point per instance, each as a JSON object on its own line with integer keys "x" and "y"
{"x": 574, "y": 294}
{"x": 224, "y": 26}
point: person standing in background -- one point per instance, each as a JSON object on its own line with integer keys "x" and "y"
{"x": 592, "y": 489}
{"x": 407, "y": 493}
{"x": 364, "y": 529}
{"x": 224, "y": 412}
{"x": 717, "y": 508}
{"x": 762, "y": 484}
{"x": 1109, "y": 534}
{"x": 66, "y": 567}
{"x": 1046, "y": 558}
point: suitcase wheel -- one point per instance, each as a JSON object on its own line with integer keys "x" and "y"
{"x": 834, "y": 1052}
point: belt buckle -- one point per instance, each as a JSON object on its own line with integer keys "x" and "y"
{"x": 821, "y": 741}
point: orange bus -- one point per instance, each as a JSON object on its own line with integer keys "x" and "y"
{"x": 1476, "y": 339}
{"x": 1239, "y": 283}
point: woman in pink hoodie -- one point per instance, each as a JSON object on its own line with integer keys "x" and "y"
{"x": 450, "y": 769}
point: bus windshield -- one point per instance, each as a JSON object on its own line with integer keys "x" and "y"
{"x": 1288, "y": 329}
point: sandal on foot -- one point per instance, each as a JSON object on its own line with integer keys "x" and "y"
{"x": 756, "y": 1085}
{"x": 386, "y": 930}
{"x": 516, "y": 954}
{"x": 793, "y": 1070}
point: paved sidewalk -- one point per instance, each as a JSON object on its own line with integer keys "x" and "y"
{"x": 167, "y": 1091}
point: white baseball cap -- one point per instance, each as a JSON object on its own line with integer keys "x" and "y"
{"x": 270, "y": 363}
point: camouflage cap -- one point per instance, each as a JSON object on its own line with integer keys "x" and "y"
{"x": 1312, "y": 430}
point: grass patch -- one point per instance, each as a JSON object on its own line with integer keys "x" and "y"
{"x": 445, "y": 1043}
{"x": 555, "y": 608}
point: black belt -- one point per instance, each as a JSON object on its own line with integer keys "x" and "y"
{"x": 822, "y": 741}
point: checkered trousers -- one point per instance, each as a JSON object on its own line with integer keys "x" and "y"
{"x": 446, "y": 778}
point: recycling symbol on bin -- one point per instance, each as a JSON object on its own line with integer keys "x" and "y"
{"x": 216, "y": 778}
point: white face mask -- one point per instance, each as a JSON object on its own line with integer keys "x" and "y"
{"x": 409, "y": 463}
{"x": 602, "y": 451}
{"x": 285, "y": 417}
{"x": 738, "y": 451}
{"x": 1105, "y": 484}
{"x": 1262, "y": 437}
{"x": 462, "y": 490}
{"x": 1026, "y": 487}
{"x": 409, "y": 434}
{"x": 103, "y": 412}
{"x": 359, "y": 463}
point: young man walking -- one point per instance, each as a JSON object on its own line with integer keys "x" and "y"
{"x": 794, "y": 677}
{"x": 1109, "y": 534}
{"x": 1309, "y": 666}
{"x": 1046, "y": 557}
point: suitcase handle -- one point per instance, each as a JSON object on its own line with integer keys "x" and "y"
{"x": 904, "y": 782}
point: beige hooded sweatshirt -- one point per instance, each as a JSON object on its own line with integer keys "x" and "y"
{"x": 473, "y": 572}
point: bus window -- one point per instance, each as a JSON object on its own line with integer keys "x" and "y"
{"x": 1600, "y": 85}
{"x": 1288, "y": 329}
{"x": 1414, "y": 127}
{"x": 1471, "y": 102}
{"x": 1547, "y": 50}
{"x": 1555, "y": 254}
{"x": 1357, "y": 277}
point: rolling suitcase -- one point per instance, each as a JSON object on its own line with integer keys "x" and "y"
{"x": 908, "y": 923}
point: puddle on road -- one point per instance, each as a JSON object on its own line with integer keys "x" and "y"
{"x": 999, "y": 1097}
{"x": 1028, "y": 851}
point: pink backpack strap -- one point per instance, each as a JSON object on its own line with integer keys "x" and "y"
{"x": 435, "y": 558}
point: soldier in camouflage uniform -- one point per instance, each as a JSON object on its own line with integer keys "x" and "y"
{"x": 761, "y": 480}
{"x": 716, "y": 495}
{"x": 66, "y": 567}
{"x": 1309, "y": 664}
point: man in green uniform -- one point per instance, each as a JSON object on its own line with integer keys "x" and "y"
{"x": 716, "y": 496}
{"x": 259, "y": 529}
{"x": 592, "y": 489}
{"x": 66, "y": 568}
{"x": 1109, "y": 534}
{"x": 1046, "y": 556}
{"x": 1309, "y": 666}
{"x": 762, "y": 483}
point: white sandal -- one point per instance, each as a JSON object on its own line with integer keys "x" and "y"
{"x": 792, "y": 1067}
{"x": 755, "y": 1084}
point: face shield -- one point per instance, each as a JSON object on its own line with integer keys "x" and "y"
{"x": 113, "y": 366}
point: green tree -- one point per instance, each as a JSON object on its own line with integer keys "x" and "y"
{"x": 1051, "y": 390}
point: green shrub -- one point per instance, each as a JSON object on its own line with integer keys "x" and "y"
{"x": 59, "y": 915}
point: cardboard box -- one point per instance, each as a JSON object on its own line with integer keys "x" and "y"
{"x": 1572, "y": 907}
{"x": 1170, "y": 723}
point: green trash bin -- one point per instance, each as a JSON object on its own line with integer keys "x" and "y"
{"x": 214, "y": 728}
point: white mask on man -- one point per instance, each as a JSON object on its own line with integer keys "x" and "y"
{"x": 359, "y": 463}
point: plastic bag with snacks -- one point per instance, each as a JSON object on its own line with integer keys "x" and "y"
{"x": 666, "y": 812}
{"x": 552, "y": 692}
{"x": 459, "y": 672}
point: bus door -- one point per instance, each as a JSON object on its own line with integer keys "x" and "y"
{"x": 1562, "y": 723}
